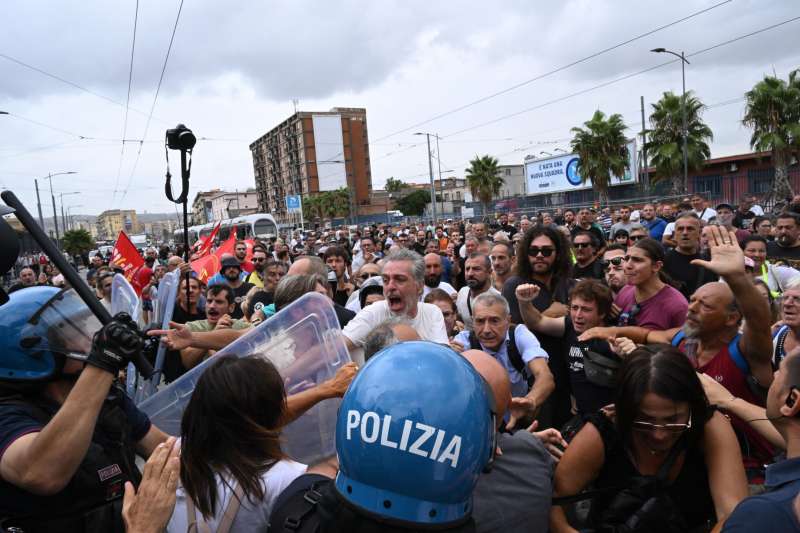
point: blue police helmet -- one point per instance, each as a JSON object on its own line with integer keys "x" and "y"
{"x": 39, "y": 327}
{"x": 414, "y": 431}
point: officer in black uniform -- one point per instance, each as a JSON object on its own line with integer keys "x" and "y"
{"x": 68, "y": 432}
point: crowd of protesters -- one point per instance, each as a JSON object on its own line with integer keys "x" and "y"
{"x": 644, "y": 364}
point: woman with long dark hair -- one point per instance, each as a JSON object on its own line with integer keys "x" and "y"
{"x": 647, "y": 301}
{"x": 667, "y": 462}
{"x": 231, "y": 458}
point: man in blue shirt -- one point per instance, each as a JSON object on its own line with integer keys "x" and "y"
{"x": 775, "y": 508}
{"x": 652, "y": 223}
{"x": 522, "y": 358}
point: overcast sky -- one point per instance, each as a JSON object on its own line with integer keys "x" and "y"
{"x": 233, "y": 73}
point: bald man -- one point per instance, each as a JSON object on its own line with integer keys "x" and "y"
{"x": 505, "y": 499}
{"x": 309, "y": 264}
{"x": 433, "y": 276}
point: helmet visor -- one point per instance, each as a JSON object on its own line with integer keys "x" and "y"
{"x": 64, "y": 324}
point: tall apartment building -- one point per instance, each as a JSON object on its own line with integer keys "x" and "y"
{"x": 312, "y": 152}
{"x": 216, "y": 204}
{"x": 111, "y": 222}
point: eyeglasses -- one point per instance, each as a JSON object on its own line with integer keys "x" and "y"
{"x": 635, "y": 238}
{"x": 582, "y": 244}
{"x": 533, "y": 251}
{"x": 258, "y": 259}
{"x": 671, "y": 428}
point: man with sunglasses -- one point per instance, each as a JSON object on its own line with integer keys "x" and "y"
{"x": 777, "y": 507}
{"x": 259, "y": 260}
{"x": 614, "y": 271}
{"x": 637, "y": 232}
{"x": 587, "y": 263}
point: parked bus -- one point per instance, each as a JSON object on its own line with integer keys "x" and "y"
{"x": 256, "y": 226}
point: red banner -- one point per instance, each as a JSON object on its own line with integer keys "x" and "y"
{"x": 228, "y": 246}
{"x": 205, "y": 267}
{"x": 204, "y": 244}
{"x": 128, "y": 258}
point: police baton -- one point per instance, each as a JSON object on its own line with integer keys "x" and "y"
{"x": 70, "y": 274}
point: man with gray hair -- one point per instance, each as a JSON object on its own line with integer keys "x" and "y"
{"x": 386, "y": 334}
{"x": 403, "y": 281}
{"x": 516, "y": 348}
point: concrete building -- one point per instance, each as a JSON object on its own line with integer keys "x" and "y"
{"x": 111, "y": 222}
{"x": 233, "y": 204}
{"x": 513, "y": 180}
{"x": 201, "y": 207}
{"x": 310, "y": 152}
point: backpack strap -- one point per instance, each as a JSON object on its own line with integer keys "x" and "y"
{"x": 301, "y": 509}
{"x": 514, "y": 357}
{"x": 778, "y": 341}
{"x": 736, "y": 355}
{"x": 201, "y": 526}
{"x": 676, "y": 340}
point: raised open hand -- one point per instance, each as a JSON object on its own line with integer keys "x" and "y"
{"x": 726, "y": 255}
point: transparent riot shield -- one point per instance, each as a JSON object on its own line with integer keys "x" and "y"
{"x": 124, "y": 298}
{"x": 163, "y": 309}
{"x": 305, "y": 344}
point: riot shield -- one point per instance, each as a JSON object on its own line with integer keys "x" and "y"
{"x": 305, "y": 344}
{"x": 124, "y": 298}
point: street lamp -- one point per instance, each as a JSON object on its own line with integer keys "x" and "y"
{"x": 69, "y": 215}
{"x": 430, "y": 171}
{"x": 50, "y": 177}
{"x": 684, "y": 133}
{"x": 545, "y": 153}
{"x": 63, "y": 218}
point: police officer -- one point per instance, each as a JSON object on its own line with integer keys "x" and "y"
{"x": 68, "y": 432}
{"x": 414, "y": 432}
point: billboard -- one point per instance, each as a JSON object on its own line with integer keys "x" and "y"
{"x": 329, "y": 147}
{"x": 560, "y": 173}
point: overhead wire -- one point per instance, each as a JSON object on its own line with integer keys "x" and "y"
{"x": 555, "y": 70}
{"x": 155, "y": 99}
{"x": 127, "y": 99}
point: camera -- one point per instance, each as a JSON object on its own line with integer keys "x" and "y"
{"x": 180, "y": 138}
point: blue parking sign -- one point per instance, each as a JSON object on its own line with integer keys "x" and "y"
{"x": 293, "y": 202}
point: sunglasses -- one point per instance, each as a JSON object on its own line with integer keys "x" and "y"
{"x": 582, "y": 245}
{"x": 616, "y": 261}
{"x": 671, "y": 428}
{"x": 258, "y": 259}
{"x": 534, "y": 251}
{"x": 637, "y": 237}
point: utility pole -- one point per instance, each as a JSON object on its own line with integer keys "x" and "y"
{"x": 430, "y": 171}
{"x": 645, "y": 178}
{"x": 55, "y": 215}
{"x": 39, "y": 203}
{"x": 441, "y": 185}
{"x": 685, "y": 132}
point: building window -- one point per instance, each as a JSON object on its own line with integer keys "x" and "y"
{"x": 508, "y": 172}
{"x": 447, "y": 197}
{"x": 458, "y": 195}
{"x": 759, "y": 180}
{"x": 711, "y": 186}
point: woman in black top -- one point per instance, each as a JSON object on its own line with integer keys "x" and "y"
{"x": 665, "y": 440}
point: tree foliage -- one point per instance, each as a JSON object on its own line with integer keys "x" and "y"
{"x": 413, "y": 204}
{"x": 665, "y": 143}
{"x": 603, "y": 151}
{"x": 772, "y": 111}
{"x": 327, "y": 204}
{"x": 484, "y": 179}
{"x": 395, "y": 185}
{"x": 78, "y": 241}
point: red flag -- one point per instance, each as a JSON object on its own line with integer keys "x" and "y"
{"x": 228, "y": 246}
{"x": 203, "y": 245}
{"x": 205, "y": 267}
{"x": 128, "y": 258}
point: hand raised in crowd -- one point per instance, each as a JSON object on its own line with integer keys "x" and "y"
{"x": 224, "y": 322}
{"x": 149, "y": 509}
{"x": 726, "y": 254}
{"x": 527, "y": 292}
{"x": 622, "y": 346}
{"x": 522, "y": 408}
{"x": 553, "y": 442}
{"x": 185, "y": 268}
{"x": 178, "y": 337}
{"x": 337, "y": 385}
{"x": 717, "y": 394}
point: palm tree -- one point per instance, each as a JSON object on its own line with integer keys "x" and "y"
{"x": 484, "y": 179}
{"x": 603, "y": 151}
{"x": 666, "y": 139}
{"x": 395, "y": 185}
{"x": 772, "y": 110}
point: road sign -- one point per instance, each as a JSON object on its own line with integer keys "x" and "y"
{"x": 293, "y": 203}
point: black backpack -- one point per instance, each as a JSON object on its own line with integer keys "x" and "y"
{"x": 514, "y": 356}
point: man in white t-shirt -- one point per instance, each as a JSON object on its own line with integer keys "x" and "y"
{"x": 701, "y": 208}
{"x": 403, "y": 279}
{"x": 478, "y": 276}
{"x": 433, "y": 276}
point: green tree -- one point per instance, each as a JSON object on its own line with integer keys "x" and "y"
{"x": 395, "y": 185}
{"x": 772, "y": 111}
{"x": 413, "y": 204}
{"x": 484, "y": 180}
{"x": 78, "y": 241}
{"x": 603, "y": 151}
{"x": 666, "y": 139}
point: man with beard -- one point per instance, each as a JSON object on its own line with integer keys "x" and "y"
{"x": 259, "y": 260}
{"x": 587, "y": 264}
{"x": 403, "y": 281}
{"x": 419, "y": 245}
{"x": 478, "y": 274}
{"x": 614, "y": 268}
{"x": 502, "y": 256}
{"x": 240, "y": 253}
{"x": 337, "y": 259}
{"x": 786, "y": 246}
{"x": 231, "y": 270}
{"x": 741, "y": 362}
{"x": 433, "y": 276}
{"x": 678, "y": 263}
{"x": 543, "y": 258}
{"x": 506, "y": 227}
